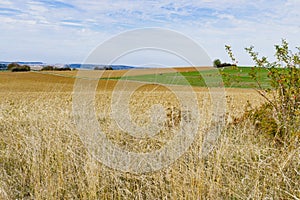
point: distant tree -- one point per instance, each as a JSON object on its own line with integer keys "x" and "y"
{"x": 108, "y": 68}
{"x": 47, "y": 68}
{"x": 51, "y": 68}
{"x": 226, "y": 65}
{"x": 21, "y": 68}
{"x": 217, "y": 62}
{"x": 13, "y": 65}
{"x": 62, "y": 69}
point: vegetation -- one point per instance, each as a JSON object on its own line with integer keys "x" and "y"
{"x": 104, "y": 68}
{"x": 235, "y": 77}
{"x": 12, "y": 65}
{"x": 281, "y": 112}
{"x": 218, "y": 64}
{"x": 53, "y": 68}
{"x": 15, "y": 67}
{"x": 255, "y": 157}
{"x": 42, "y": 157}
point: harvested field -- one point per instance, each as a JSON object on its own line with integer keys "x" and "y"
{"x": 43, "y": 157}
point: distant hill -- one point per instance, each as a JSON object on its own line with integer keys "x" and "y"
{"x": 22, "y": 63}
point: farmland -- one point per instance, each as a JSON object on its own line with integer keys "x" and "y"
{"x": 43, "y": 157}
{"x": 240, "y": 77}
{"x": 183, "y": 76}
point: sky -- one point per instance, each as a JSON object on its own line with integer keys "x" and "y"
{"x": 61, "y": 31}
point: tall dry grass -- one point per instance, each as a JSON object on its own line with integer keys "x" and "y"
{"x": 42, "y": 157}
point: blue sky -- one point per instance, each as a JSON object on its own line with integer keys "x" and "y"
{"x": 63, "y": 31}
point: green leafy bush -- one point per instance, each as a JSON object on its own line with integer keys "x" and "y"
{"x": 280, "y": 115}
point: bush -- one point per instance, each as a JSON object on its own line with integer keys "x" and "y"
{"x": 226, "y": 65}
{"x": 263, "y": 119}
{"x": 283, "y": 97}
{"x": 217, "y": 63}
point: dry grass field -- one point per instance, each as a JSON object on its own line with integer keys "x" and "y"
{"x": 43, "y": 157}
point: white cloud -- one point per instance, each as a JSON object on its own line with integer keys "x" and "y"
{"x": 5, "y": 3}
{"x": 77, "y": 26}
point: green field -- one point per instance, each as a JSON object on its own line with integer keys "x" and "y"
{"x": 237, "y": 78}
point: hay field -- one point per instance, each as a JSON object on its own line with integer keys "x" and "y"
{"x": 42, "y": 156}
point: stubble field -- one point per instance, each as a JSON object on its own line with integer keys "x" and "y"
{"x": 43, "y": 157}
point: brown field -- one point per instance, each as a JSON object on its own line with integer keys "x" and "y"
{"x": 42, "y": 156}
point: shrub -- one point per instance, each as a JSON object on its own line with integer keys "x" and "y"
{"x": 226, "y": 65}
{"x": 263, "y": 119}
{"x": 217, "y": 63}
{"x": 283, "y": 97}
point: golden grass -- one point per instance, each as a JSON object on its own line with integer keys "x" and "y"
{"x": 42, "y": 157}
